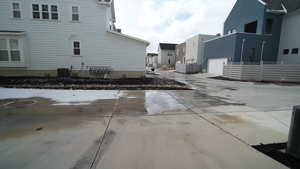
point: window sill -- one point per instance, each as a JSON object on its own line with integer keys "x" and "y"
{"x": 17, "y": 19}
{"x": 75, "y": 22}
{"x": 48, "y": 20}
{"x": 77, "y": 56}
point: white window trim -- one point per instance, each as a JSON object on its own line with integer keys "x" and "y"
{"x": 50, "y": 12}
{"x": 75, "y": 13}
{"x": 80, "y": 48}
{"x": 12, "y": 9}
{"x": 20, "y": 48}
{"x": 42, "y": 12}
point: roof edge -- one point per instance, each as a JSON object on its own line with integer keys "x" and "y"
{"x": 129, "y": 37}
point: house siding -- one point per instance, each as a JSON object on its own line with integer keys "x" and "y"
{"x": 49, "y": 43}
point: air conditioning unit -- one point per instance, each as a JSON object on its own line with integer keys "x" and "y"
{"x": 104, "y": 2}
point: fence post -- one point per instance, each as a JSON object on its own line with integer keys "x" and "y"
{"x": 293, "y": 146}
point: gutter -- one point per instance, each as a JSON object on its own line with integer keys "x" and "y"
{"x": 129, "y": 37}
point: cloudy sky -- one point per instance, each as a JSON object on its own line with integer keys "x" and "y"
{"x": 171, "y": 21}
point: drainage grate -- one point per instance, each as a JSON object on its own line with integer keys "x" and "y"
{"x": 278, "y": 152}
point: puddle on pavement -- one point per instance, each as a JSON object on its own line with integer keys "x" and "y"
{"x": 198, "y": 99}
{"x": 147, "y": 103}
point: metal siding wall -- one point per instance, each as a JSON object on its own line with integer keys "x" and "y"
{"x": 223, "y": 47}
{"x": 289, "y": 38}
{"x": 245, "y": 11}
{"x": 266, "y": 72}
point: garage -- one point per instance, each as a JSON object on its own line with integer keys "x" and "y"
{"x": 216, "y": 66}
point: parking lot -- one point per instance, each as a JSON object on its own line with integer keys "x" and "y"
{"x": 210, "y": 127}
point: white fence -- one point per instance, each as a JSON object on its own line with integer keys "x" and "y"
{"x": 188, "y": 68}
{"x": 263, "y": 72}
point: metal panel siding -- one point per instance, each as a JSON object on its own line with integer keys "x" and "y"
{"x": 50, "y": 42}
{"x": 272, "y": 72}
{"x": 163, "y": 58}
{"x": 223, "y": 47}
{"x": 245, "y": 11}
{"x": 290, "y": 38}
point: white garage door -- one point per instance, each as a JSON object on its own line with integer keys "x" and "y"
{"x": 215, "y": 66}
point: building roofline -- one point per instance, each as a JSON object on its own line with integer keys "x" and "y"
{"x": 219, "y": 37}
{"x": 129, "y": 37}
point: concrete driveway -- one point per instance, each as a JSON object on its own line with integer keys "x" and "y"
{"x": 212, "y": 126}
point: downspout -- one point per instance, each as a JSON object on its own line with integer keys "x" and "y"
{"x": 261, "y": 60}
{"x": 242, "y": 51}
{"x": 262, "y": 51}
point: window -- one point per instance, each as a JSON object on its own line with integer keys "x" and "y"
{"x": 286, "y": 51}
{"x": 3, "y": 50}
{"x": 76, "y": 48}
{"x": 269, "y": 25}
{"x": 54, "y": 12}
{"x": 16, "y": 10}
{"x": 35, "y": 11}
{"x": 251, "y": 27}
{"x": 45, "y": 12}
{"x": 75, "y": 13}
{"x": 10, "y": 50}
{"x": 15, "y": 54}
{"x": 295, "y": 51}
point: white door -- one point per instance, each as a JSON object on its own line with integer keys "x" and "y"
{"x": 216, "y": 66}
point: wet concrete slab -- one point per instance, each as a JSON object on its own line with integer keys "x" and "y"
{"x": 176, "y": 142}
{"x": 253, "y": 128}
{"x": 136, "y": 103}
{"x": 44, "y": 106}
{"x": 197, "y": 99}
{"x": 66, "y": 142}
{"x": 224, "y": 109}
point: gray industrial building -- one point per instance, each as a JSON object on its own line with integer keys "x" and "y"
{"x": 251, "y": 34}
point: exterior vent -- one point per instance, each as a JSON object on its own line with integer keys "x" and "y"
{"x": 104, "y": 2}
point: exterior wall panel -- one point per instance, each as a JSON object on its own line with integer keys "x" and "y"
{"x": 49, "y": 43}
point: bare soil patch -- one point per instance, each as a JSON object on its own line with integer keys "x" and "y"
{"x": 145, "y": 83}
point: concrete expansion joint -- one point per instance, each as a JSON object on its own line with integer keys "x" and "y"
{"x": 97, "y": 156}
{"x": 212, "y": 123}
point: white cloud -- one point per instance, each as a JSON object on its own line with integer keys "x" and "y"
{"x": 157, "y": 20}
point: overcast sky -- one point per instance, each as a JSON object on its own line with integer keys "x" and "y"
{"x": 171, "y": 21}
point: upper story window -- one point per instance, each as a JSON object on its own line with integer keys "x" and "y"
{"x": 10, "y": 50}
{"x": 269, "y": 26}
{"x": 295, "y": 50}
{"x": 76, "y": 48}
{"x": 286, "y": 51}
{"x": 16, "y": 7}
{"x": 45, "y": 12}
{"x": 35, "y": 11}
{"x": 75, "y": 13}
{"x": 54, "y": 12}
